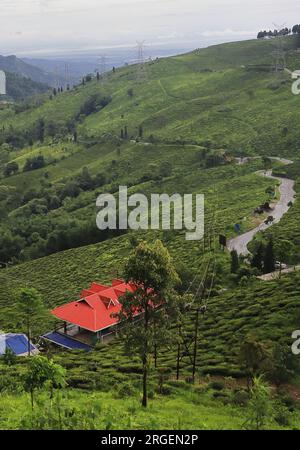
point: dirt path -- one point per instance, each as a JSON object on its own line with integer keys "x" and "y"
{"x": 287, "y": 195}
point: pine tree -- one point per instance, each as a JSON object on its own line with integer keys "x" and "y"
{"x": 258, "y": 258}
{"x": 269, "y": 258}
{"x": 235, "y": 263}
{"x": 141, "y": 131}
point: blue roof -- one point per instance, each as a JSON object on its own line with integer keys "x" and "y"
{"x": 66, "y": 341}
{"x": 17, "y": 343}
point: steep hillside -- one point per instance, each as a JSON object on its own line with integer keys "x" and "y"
{"x": 189, "y": 113}
{"x": 174, "y": 126}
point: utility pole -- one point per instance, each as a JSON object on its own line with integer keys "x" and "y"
{"x": 279, "y": 53}
{"x": 141, "y": 64}
{"x": 102, "y": 64}
{"x": 67, "y": 76}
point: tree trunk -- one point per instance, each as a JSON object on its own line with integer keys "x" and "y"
{"x": 31, "y": 397}
{"x": 145, "y": 359}
{"x": 178, "y": 362}
{"x": 195, "y": 345}
{"x": 28, "y": 339}
{"x": 155, "y": 356}
{"x": 178, "y": 354}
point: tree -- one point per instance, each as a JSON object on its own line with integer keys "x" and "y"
{"x": 254, "y": 359}
{"x": 283, "y": 250}
{"x": 84, "y": 180}
{"x": 165, "y": 169}
{"x": 267, "y": 163}
{"x": 284, "y": 365}
{"x": 260, "y": 406}
{"x": 40, "y": 130}
{"x": 141, "y": 131}
{"x": 258, "y": 257}
{"x": 269, "y": 257}
{"x": 11, "y": 169}
{"x": 36, "y": 162}
{"x": 150, "y": 269}
{"x": 42, "y": 372}
{"x": 235, "y": 263}
{"x": 31, "y": 307}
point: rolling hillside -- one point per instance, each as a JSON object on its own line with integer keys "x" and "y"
{"x": 179, "y": 130}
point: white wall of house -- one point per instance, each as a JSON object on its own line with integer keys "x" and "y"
{"x": 2, "y": 83}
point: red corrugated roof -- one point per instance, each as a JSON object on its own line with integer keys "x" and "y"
{"x": 94, "y": 311}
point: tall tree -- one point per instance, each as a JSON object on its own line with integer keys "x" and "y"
{"x": 31, "y": 308}
{"x": 258, "y": 257}
{"x": 283, "y": 251}
{"x": 260, "y": 405}
{"x": 150, "y": 269}
{"x": 235, "y": 263}
{"x": 40, "y": 130}
{"x": 269, "y": 258}
{"x": 254, "y": 358}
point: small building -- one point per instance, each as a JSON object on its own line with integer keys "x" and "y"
{"x": 17, "y": 344}
{"x": 91, "y": 319}
{"x": 2, "y": 83}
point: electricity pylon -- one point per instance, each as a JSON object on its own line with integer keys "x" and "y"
{"x": 141, "y": 63}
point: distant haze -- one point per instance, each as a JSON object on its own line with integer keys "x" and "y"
{"x": 42, "y": 28}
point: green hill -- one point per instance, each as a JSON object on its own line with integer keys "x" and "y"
{"x": 177, "y": 131}
{"x": 20, "y": 88}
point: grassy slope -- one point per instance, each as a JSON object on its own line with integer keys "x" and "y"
{"x": 185, "y": 409}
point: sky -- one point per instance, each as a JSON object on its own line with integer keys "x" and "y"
{"x": 50, "y": 27}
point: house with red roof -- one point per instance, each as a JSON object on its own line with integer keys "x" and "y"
{"x": 90, "y": 319}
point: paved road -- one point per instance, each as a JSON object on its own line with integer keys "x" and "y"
{"x": 287, "y": 195}
{"x": 274, "y": 275}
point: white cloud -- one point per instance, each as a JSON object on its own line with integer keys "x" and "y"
{"x": 228, "y": 32}
{"x": 34, "y": 25}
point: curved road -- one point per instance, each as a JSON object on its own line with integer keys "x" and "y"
{"x": 287, "y": 195}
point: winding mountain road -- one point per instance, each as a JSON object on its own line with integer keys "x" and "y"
{"x": 287, "y": 195}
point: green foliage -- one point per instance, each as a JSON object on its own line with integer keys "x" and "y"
{"x": 260, "y": 406}
{"x": 149, "y": 268}
{"x": 42, "y": 372}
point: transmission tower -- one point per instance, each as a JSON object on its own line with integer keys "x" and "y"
{"x": 102, "y": 68}
{"x": 141, "y": 63}
{"x": 279, "y": 53}
{"x": 56, "y": 69}
{"x": 67, "y": 75}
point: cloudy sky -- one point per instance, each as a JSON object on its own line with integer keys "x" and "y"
{"x": 42, "y": 27}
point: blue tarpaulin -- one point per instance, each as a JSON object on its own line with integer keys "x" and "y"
{"x": 66, "y": 341}
{"x": 17, "y": 343}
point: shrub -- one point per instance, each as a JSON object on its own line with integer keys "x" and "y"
{"x": 240, "y": 398}
{"x": 216, "y": 385}
{"x": 125, "y": 390}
